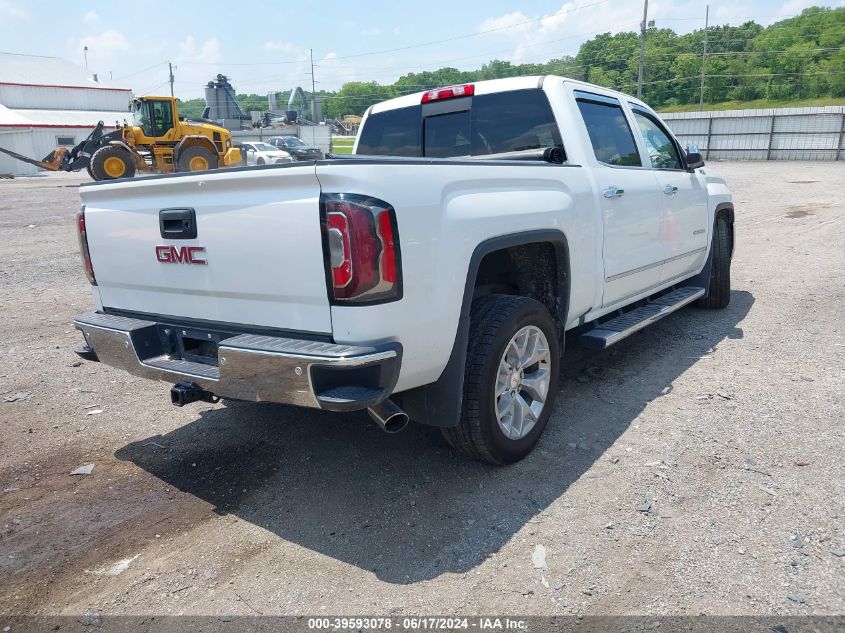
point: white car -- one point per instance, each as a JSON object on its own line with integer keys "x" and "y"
{"x": 264, "y": 154}
{"x": 430, "y": 276}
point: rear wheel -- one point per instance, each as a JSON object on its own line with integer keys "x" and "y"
{"x": 719, "y": 295}
{"x": 111, "y": 162}
{"x": 197, "y": 159}
{"x": 510, "y": 380}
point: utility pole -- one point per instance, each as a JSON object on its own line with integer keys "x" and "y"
{"x": 170, "y": 67}
{"x": 704, "y": 56}
{"x": 643, "y": 26}
{"x": 313, "y": 87}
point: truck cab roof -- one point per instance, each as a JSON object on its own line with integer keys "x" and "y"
{"x": 490, "y": 86}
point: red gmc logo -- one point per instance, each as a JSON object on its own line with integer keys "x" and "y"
{"x": 180, "y": 254}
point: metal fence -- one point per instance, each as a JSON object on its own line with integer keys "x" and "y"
{"x": 767, "y": 134}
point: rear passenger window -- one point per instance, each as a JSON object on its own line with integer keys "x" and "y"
{"x": 513, "y": 121}
{"x": 611, "y": 136}
{"x": 392, "y": 133}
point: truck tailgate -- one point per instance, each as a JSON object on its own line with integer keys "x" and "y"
{"x": 257, "y": 232}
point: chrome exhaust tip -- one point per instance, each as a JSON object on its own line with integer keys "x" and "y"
{"x": 388, "y": 416}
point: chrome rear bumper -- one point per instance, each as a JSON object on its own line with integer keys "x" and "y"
{"x": 249, "y": 366}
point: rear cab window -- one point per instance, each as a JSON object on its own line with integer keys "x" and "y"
{"x": 494, "y": 123}
{"x": 610, "y": 135}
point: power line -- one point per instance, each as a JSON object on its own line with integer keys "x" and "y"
{"x": 381, "y": 70}
{"x": 148, "y": 91}
{"x": 143, "y": 70}
{"x": 195, "y": 63}
{"x": 740, "y": 76}
{"x": 734, "y": 17}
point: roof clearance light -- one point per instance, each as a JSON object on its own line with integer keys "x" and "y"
{"x": 450, "y": 92}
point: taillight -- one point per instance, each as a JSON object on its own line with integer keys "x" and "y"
{"x": 361, "y": 245}
{"x": 83, "y": 245}
{"x": 449, "y": 92}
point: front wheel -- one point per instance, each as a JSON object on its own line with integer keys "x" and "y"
{"x": 111, "y": 162}
{"x": 510, "y": 381}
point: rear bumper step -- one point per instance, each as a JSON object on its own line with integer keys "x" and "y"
{"x": 250, "y": 367}
{"x": 613, "y": 331}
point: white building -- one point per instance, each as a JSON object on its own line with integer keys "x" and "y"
{"x": 48, "y": 102}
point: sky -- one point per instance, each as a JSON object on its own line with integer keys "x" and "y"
{"x": 265, "y": 46}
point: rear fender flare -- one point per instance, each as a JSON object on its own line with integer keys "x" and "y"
{"x": 439, "y": 403}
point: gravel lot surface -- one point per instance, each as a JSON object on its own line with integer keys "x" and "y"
{"x": 695, "y": 468}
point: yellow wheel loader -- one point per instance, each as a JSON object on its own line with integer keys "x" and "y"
{"x": 158, "y": 141}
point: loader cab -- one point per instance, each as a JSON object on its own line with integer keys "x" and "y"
{"x": 155, "y": 116}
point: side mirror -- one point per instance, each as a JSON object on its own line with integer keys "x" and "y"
{"x": 694, "y": 157}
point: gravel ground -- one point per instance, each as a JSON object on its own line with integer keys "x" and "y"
{"x": 695, "y": 468}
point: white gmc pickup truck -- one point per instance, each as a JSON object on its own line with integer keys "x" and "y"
{"x": 431, "y": 275}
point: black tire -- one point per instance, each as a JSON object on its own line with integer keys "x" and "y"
{"x": 88, "y": 169}
{"x": 260, "y": 161}
{"x": 104, "y": 161}
{"x": 494, "y": 320}
{"x": 194, "y": 154}
{"x": 720, "y": 270}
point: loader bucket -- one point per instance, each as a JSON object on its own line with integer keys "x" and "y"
{"x": 52, "y": 162}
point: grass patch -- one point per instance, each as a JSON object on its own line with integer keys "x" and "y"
{"x": 342, "y": 144}
{"x": 757, "y": 103}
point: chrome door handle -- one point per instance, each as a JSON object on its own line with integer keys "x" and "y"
{"x": 613, "y": 192}
{"x": 669, "y": 190}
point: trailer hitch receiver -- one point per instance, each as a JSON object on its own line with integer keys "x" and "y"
{"x": 183, "y": 393}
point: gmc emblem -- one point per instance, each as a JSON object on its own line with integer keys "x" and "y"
{"x": 180, "y": 254}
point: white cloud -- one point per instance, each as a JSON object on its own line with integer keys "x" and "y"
{"x": 208, "y": 51}
{"x": 281, "y": 47}
{"x": 333, "y": 72}
{"x": 201, "y": 60}
{"x": 512, "y": 22}
{"x": 371, "y": 32}
{"x": 11, "y": 9}
{"x": 795, "y": 7}
{"x": 525, "y": 38}
{"x": 92, "y": 17}
{"x": 104, "y": 50}
{"x": 105, "y": 45}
